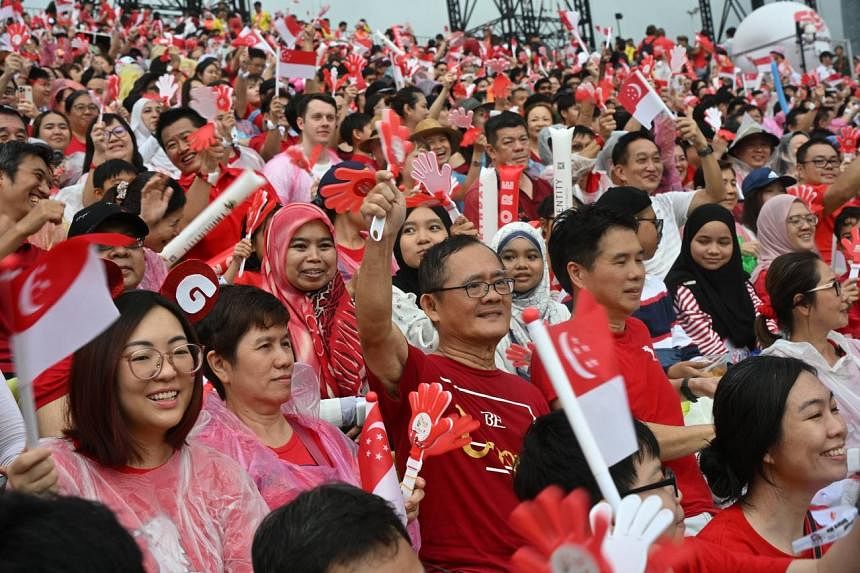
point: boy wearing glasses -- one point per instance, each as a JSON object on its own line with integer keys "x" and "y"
{"x": 467, "y": 296}
{"x": 818, "y": 163}
{"x": 598, "y": 249}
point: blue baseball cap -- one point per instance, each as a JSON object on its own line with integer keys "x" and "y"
{"x": 762, "y": 177}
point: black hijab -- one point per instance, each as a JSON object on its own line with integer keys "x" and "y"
{"x": 721, "y": 293}
{"x": 406, "y": 278}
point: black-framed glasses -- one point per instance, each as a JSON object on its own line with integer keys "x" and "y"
{"x": 658, "y": 223}
{"x": 116, "y": 132}
{"x": 834, "y": 284}
{"x": 668, "y": 480}
{"x": 146, "y": 363}
{"x": 479, "y": 289}
{"x": 135, "y": 246}
{"x": 823, "y": 162}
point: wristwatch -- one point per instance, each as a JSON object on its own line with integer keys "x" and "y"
{"x": 685, "y": 388}
{"x": 705, "y": 151}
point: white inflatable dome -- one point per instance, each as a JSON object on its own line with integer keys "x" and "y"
{"x": 772, "y": 26}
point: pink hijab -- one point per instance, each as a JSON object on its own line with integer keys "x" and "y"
{"x": 323, "y": 324}
{"x": 773, "y": 231}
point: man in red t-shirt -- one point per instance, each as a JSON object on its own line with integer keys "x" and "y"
{"x": 469, "y": 493}
{"x": 25, "y": 185}
{"x": 508, "y": 144}
{"x": 818, "y": 165}
{"x": 598, "y": 250}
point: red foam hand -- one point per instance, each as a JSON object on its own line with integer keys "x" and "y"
{"x": 585, "y": 92}
{"x": 808, "y": 195}
{"x": 298, "y": 157}
{"x": 501, "y": 86}
{"x": 556, "y": 532}
{"x": 809, "y": 80}
{"x": 497, "y": 65}
{"x": 18, "y": 35}
{"x": 355, "y": 64}
{"x": 519, "y": 355}
{"x": 349, "y": 194}
{"x": 647, "y": 65}
{"x": 428, "y": 404}
{"x": 852, "y": 246}
{"x": 848, "y": 138}
{"x": 246, "y": 41}
{"x": 394, "y": 138}
{"x": 203, "y": 138}
{"x": 223, "y": 98}
{"x": 451, "y": 433}
{"x": 470, "y": 137}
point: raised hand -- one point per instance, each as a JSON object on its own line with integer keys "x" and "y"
{"x": 154, "y": 198}
{"x": 714, "y": 118}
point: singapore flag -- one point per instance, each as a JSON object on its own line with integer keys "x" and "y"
{"x": 639, "y": 98}
{"x": 375, "y": 461}
{"x": 58, "y": 305}
{"x": 587, "y": 352}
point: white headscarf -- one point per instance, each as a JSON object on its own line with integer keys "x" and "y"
{"x": 153, "y": 155}
{"x": 539, "y": 297}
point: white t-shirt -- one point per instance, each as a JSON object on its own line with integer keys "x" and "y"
{"x": 672, "y": 207}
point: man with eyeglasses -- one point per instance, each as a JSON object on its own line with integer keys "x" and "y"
{"x": 818, "y": 168}
{"x": 598, "y": 249}
{"x": 467, "y": 296}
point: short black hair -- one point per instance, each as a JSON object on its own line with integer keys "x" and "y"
{"x": 804, "y": 149}
{"x": 254, "y": 53}
{"x": 405, "y": 96}
{"x": 330, "y": 525}
{"x": 239, "y": 309}
{"x": 845, "y": 214}
{"x": 504, "y": 120}
{"x": 12, "y": 153}
{"x": 170, "y": 116}
{"x": 551, "y": 455}
{"x": 352, "y": 122}
{"x": 110, "y": 169}
{"x": 66, "y": 534}
{"x": 432, "y": 272}
{"x": 576, "y": 235}
{"x": 12, "y": 112}
{"x": 564, "y": 100}
{"x": 305, "y": 101}
{"x": 621, "y": 151}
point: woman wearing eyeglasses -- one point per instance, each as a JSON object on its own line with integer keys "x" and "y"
{"x": 806, "y": 300}
{"x": 714, "y": 301}
{"x": 136, "y": 391}
{"x": 779, "y": 439}
{"x": 82, "y": 110}
{"x": 300, "y": 269}
{"x": 785, "y": 225}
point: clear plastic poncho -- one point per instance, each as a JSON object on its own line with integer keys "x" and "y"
{"x": 196, "y": 513}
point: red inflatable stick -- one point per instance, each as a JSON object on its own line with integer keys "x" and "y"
{"x": 395, "y": 140}
{"x": 852, "y": 251}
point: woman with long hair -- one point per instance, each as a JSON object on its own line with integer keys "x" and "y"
{"x": 805, "y": 299}
{"x": 135, "y": 394}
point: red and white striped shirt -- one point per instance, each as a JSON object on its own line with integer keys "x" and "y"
{"x": 700, "y": 326}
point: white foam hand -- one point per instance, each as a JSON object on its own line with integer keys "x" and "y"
{"x": 638, "y": 524}
{"x": 677, "y": 59}
{"x": 167, "y": 87}
{"x": 713, "y": 118}
{"x": 425, "y": 170}
{"x": 460, "y": 118}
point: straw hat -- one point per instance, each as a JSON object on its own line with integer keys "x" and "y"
{"x": 430, "y": 126}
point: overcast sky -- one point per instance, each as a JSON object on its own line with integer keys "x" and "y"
{"x": 428, "y": 17}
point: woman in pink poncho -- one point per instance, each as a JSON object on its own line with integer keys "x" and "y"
{"x": 136, "y": 391}
{"x": 256, "y": 417}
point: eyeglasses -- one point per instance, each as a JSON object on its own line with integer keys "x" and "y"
{"x": 135, "y": 246}
{"x": 669, "y": 480}
{"x": 146, "y": 363}
{"x": 658, "y": 223}
{"x": 82, "y": 108}
{"x": 822, "y": 162}
{"x": 479, "y": 289}
{"x": 116, "y": 132}
{"x": 799, "y": 220}
{"x": 834, "y": 284}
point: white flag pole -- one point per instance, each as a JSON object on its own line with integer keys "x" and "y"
{"x": 573, "y": 411}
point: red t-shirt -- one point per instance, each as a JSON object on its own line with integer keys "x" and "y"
{"x": 469, "y": 494}
{"x": 258, "y": 141}
{"x": 295, "y": 451}
{"x": 75, "y": 146}
{"x": 652, "y": 399}
{"x": 229, "y": 231}
{"x": 825, "y": 240}
{"x": 732, "y": 532}
{"x": 528, "y": 206}
{"x": 713, "y": 558}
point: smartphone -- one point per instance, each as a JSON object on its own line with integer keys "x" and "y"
{"x": 25, "y": 93}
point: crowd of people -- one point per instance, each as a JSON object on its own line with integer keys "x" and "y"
{"x": 721, "y": 239}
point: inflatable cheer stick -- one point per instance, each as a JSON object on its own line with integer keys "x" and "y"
{"x": 395, "y": 147}
{"x": 852, "y": 251}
